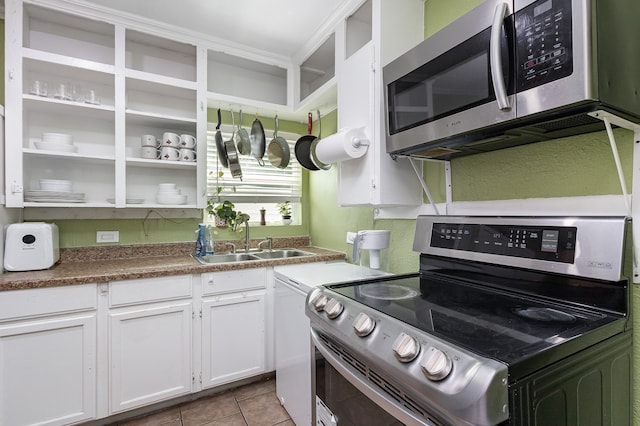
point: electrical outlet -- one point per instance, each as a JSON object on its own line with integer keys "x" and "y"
{"x": 107, "y": 236}
{"x": 351, "y": 236}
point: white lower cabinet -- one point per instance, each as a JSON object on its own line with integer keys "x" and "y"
{"x": 150, "y": 351}
{"x": 233, "y": 325}
{"x": 150, "y": 347}
{"x": 48, "y": 356}
{"x": 75, "y": 353}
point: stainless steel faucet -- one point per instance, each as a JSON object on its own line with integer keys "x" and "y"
{"x": 247, "y": 245}
{"x": 233, "y": 247}
{"x": 269, "y": 241}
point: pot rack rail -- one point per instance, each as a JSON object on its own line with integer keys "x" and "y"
{"x": 632, "y": 204}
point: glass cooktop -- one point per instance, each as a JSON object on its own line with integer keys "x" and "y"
{"x": 494, "y": 323}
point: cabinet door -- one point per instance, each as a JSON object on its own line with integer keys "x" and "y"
{"x": 150, "y": 353}
{"x": 48, "y": 371}
{"x": 233, "y": 344}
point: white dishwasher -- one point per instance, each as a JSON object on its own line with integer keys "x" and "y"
{"x": 293, "y": 354}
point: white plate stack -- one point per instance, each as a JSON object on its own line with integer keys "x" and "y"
{"x": 56, "y": 142}
{"x": 54, "y": 191}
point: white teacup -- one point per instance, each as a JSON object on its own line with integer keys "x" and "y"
{"x": 187, "y": 141}
{"x": 169, "y": 153}
{"x": 170, "y": 139}
{"x": 150, "y": 152}
{"x": 148, "y": 140}
{"x": 187, "y": 154}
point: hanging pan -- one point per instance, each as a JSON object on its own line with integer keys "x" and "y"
{"x": 242, "y": 139}
{"x": 222, "y": 153}
{"x": 258, "y": 141}
{"x": 303, "y": 147}
{"x": 278, "y": 150}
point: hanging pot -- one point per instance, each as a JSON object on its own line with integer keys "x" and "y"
{"x": 303, "y": 147}
{"x": 242, "y": 139}
{"x": 314, "y": 158}
{"x": 278, "y": 150}
{"x": 222, "y": 153}
{"x": 258, "y": 141}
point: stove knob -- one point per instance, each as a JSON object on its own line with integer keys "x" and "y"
{"x": 318, "y": 301}
{"x": 437, "y": 365}
{"x": 333, "y": 308}
{"x": 405, "y": 348}
{"x": 363, "y": 325}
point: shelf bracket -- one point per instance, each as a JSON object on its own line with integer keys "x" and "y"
{"x": 425, "y": 188}
{"x": 633, "y": 205}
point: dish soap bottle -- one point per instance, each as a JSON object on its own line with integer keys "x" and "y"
{"x": 209, "y": 250}
{"x": 201, "y": 242}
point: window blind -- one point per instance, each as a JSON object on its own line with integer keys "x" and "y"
{"x": 259, "y": 184}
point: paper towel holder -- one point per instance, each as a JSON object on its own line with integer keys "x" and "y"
{"x": 346, "y": 144}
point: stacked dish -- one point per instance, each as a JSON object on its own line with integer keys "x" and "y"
{"x": 169, "y": 193}
{"x": 56, "y": 142}
{"x": 54, "y": 191}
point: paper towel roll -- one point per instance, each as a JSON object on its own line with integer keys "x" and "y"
{"x": 347, "y": 144}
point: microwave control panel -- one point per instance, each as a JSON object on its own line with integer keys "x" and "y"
{"x": 543, "y": 40}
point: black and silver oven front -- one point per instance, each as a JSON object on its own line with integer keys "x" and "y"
{"x": 476, "y": 338}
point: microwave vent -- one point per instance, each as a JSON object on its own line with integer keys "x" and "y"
{"x": 435, "y": 152}
{"x": 569, "y": 122}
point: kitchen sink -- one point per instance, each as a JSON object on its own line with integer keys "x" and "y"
{"x": 225, "y": 258}
{"x": 253, "y": 255}
{"x": 281, "y": 253}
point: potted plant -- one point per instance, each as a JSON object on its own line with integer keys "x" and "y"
{"x": 224, "y": 213}
{"x": 285, "y": 211}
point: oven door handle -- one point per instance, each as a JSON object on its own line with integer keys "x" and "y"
{"x": 399, "y": 412}
{"x": 495, "y": 57}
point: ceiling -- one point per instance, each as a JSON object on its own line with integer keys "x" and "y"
{"x": 279, "y": 27}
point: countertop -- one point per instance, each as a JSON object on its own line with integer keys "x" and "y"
{"x": 73, "y": 269}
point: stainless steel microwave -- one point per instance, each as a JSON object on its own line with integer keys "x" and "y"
{"x": 514, "y": 72}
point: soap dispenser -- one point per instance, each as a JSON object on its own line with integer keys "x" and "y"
{"x": 201, "y": 245}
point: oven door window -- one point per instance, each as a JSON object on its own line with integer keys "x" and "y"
{"x": 340, "y": 399}
{"x": 454, "y": 81}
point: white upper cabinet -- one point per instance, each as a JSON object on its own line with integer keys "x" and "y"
{"x": 106, "y": 79}
{"x": 104, "y": 85}
{"x": 316, "y": 83}
{"x": 372, "y": 36}
{"x": 244, "y": 80}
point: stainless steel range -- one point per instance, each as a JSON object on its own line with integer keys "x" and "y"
{"x": 510, "y": 321}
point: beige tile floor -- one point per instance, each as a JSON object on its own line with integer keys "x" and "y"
{"x": 254, "y": 404}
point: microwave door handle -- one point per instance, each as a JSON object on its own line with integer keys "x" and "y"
{"x": 495, "y": 57}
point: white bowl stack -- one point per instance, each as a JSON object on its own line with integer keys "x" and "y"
{"x": 169, "y": 193}
{"x": 56, "y": 142}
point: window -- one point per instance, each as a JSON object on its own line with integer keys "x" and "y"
{"x": 261, "y": 186}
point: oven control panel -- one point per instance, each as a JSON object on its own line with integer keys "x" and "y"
{"x": 584, "y": 246}
{"x": 552, "y": 243}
